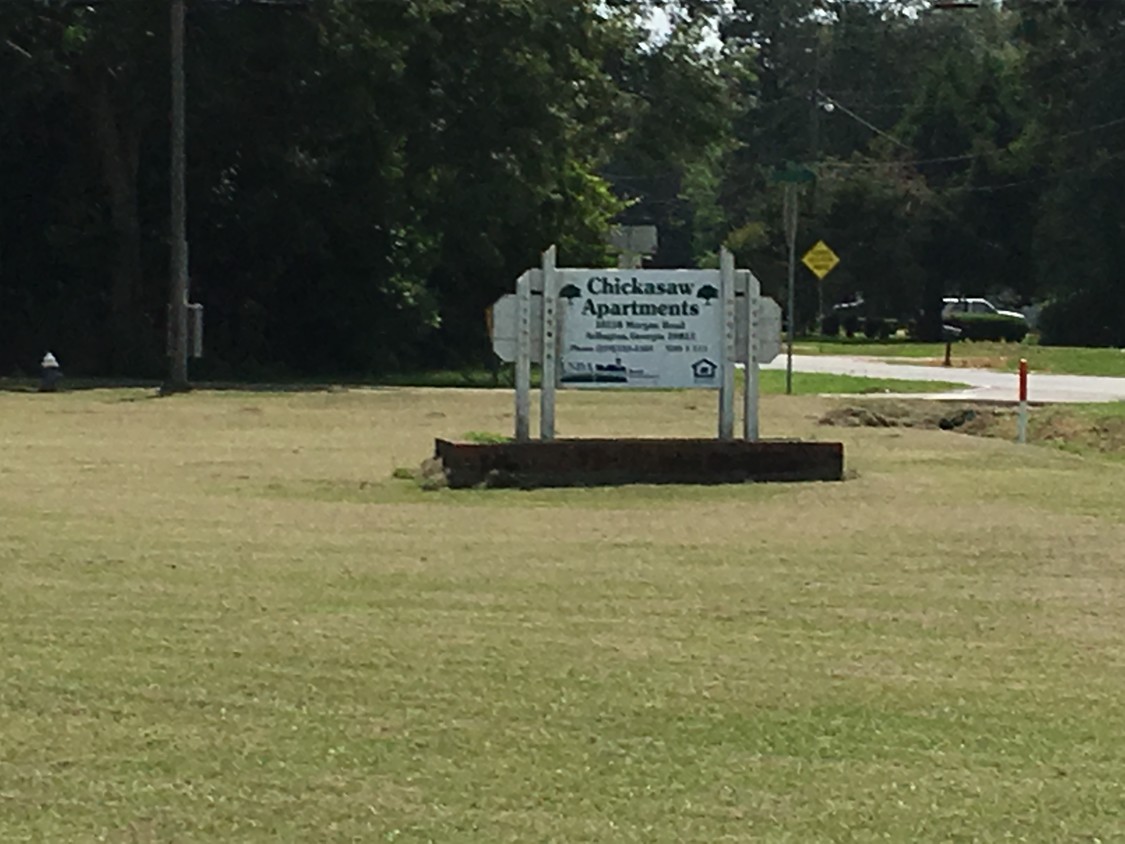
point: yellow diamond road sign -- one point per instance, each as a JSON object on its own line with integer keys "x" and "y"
{"x": 821, "y": 259}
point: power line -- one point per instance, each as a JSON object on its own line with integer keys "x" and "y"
{"x": 1090, "y": 166}
{"x": 919, "y": 162}
{"x": 952, "y": 159}
{"x": 829, "y": 101}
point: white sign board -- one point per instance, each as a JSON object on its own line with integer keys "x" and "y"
{"x": 640, "y": 328}
{"x": 505, "y": 319}
{"x": 504, "y": 323}
{"x": 635, "y": 328}
{"x": 767, "y": 332}
{"x": 768, "y": 337}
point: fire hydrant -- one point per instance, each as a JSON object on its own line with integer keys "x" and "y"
{"x": 49, "y": 374}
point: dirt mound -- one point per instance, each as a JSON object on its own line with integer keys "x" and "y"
{"x": 853, "y": 416}
{"x": 898, "y": 414}
{"x": 1103, "y": 433}
{"x": 1081, "y": 429}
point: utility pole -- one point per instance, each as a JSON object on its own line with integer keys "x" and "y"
{"x": 791, "y": 236}
{"x": 814, "y": 158}
{"x": 178, "y": 293}
{"x": 791, "y": 178}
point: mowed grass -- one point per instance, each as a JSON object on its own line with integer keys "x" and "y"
{"x": 770, "y": 382}
{"x": 980, "y": 355}
{"x": 222, "y": 620}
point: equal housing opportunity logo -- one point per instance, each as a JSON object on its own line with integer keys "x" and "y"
{"x": 704, "y": 369}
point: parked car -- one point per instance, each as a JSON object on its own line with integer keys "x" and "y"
{"x": 858, "y": 317}
{"x": 954, "y": 306}
{"x": 979, "y": 319}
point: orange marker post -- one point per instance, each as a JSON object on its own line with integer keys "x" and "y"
{"x": 1023, "y": 401}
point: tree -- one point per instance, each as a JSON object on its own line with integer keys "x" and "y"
{"x": 1075, "y": 66}
{"x": 671, "y": 126}
{"x": 363, "y": 178}
{"x": 85, "y": 86}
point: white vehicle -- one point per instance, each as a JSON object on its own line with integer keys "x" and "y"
{"x": 954, "y": 306}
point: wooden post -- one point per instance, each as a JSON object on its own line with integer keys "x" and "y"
{"x": 730, "y": 356}
{"x": 523, "y": 358}
{"x": 750, "y": 429}
{"x": 550, "y": 346}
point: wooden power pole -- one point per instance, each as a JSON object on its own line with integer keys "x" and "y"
{"x": 177, "y": 380}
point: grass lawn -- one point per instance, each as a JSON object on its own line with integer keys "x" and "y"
{"x": 771, "y": 382}
{"x": 1005, "y": 356}
{"x": 223, "y": 620}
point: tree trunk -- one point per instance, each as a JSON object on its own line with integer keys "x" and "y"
{"x": 117, "y": 145}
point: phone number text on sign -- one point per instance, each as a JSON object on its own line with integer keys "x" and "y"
{"x": 640, "y": 328}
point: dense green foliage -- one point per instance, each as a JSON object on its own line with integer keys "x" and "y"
{"x": 365, "y": 178}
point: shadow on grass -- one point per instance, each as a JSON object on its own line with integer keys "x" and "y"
{"x": 78, "y": 385}
{"x": 469, "y": 378}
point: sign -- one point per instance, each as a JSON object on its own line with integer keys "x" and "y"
{"x": 636, "y": 240}
{"x": 794, "y": 174}
{"x": 821, "y": 259}
{"x": 503, "y": 320}
{"x": 504, "y": 327}
{"x": 633, "y": 243}
{"x": 635, "y": 328}
{"x": 640, "y": 328}
{"x": 767, "y": 332}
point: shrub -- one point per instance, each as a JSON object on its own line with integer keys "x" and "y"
{"x": 830, "y": 326}
{"x": 1082, "y": 320}
{"x": 989, "y": 327}
{"x": 879, "y": 329}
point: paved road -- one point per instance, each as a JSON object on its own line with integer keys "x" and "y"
{"x": 984, "y": 384}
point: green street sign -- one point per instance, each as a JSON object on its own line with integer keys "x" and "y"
{"x": 794, "y": 173}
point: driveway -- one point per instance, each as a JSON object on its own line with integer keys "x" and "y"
{"x": 984, "y": 384}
